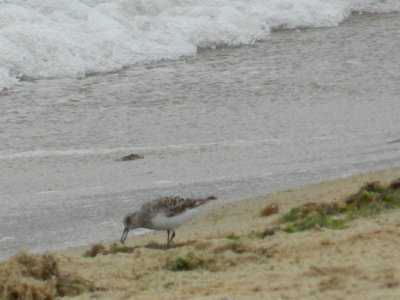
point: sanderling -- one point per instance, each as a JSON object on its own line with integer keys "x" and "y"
{"x": 166, "y": 213}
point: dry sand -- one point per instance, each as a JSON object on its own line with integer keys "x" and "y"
{"x": 361, "y": 261}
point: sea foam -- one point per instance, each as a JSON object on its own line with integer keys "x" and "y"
{"x": 63, "y": 38}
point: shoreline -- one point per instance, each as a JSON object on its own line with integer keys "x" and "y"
{"x": 245, "y": 137}
{"x": 358, "y": 261}
{"x": 349, "y": 183}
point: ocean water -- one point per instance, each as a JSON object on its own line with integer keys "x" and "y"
{"x": 63, "y": 38}
{"x": 231, "y": 98}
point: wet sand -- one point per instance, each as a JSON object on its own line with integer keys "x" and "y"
{"x": 360, "y": 261}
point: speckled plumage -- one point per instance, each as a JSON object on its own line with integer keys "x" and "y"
{"x": 166, "y": 213}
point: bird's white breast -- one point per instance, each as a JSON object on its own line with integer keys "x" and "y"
{"x": 162, "y": 222}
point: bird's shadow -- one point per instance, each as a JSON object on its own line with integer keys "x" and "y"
{"x": 157, "y": 246}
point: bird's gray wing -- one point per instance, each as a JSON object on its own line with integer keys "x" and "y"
{"x": 179, "y": 205}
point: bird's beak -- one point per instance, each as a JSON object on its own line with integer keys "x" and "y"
{"x": 124, "y": 235}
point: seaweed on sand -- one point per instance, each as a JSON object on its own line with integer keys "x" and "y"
{"x": 98, "y": 249}
{"x": 372, "y": 198}
{"x": 38, "y": 277}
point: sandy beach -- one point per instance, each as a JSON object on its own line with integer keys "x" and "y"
{"x": 234, "y": 99}
{"x": 360, "y": 261}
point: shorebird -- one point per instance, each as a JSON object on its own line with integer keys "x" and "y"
{"x": 166, "y": 213}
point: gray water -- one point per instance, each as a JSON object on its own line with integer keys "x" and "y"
{"x": 301, "y": 107}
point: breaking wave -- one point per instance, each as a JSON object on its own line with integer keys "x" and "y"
{"x": 64, "y": 38}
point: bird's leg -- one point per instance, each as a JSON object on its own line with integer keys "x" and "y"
{"x": 172, "y": 236}
{"x": 168, "y": 231}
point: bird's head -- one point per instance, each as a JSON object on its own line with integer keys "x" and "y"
{"x": 131, "y": 221}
